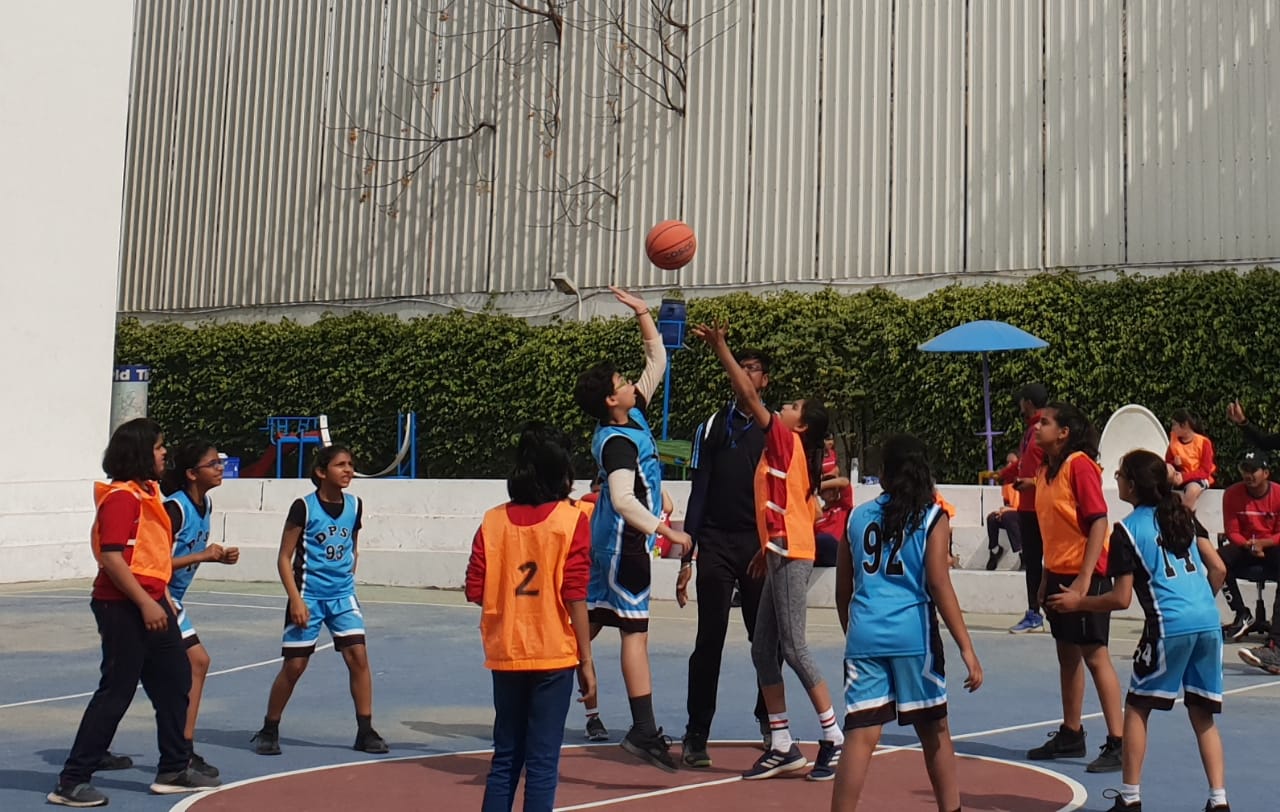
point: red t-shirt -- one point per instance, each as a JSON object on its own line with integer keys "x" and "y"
{"x": 577, "y": 566}
{"x": 117, "y": 525}
{"x": 1030, "y": 458}
{"x": 779, "y": 445}
{"x": 1245, "y": 517}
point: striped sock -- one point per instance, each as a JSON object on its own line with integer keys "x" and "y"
{"x": 830, "y": 730}
{"x": 593, "y": 713}
{"x": 779, "y": 732}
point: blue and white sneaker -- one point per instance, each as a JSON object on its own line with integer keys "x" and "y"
{"x": 775, "y": 762}
{"x": 1031, "y": 622}
{"x": 824, "y": 766}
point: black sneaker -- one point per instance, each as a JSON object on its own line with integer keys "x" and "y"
{"x": 81, "y": 795}
{"x": 1108, "y": 760}
{"x": 596, "y": 731}
{"x": 824, "y": 766}
{"x": 993, "y": 558}
{"x": 203, "y": 767}
{"x": 1209, "y": 807}
{"x": 1065, "y": 743}
{"x": 266, "y": 742}
{"x": 1120, "y": 805}
{"x": 113, "y": 762}
{"x": 1238, "y": 627}
{"x": 1266, "y": 657}
{"x": 693, "y": 751}
{"x": 776, "y": 762}
{"x": 370, "y": 742}
{"x": 653, "y": 749}
{"x": 186, "y": 781}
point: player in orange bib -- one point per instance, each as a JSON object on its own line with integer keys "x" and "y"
{"x": 1073, "y": 523}
{"x": 786, "y": 484}
{"x": 529, "y": 568}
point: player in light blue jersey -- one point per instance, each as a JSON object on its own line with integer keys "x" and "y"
{"x": 1161, "y": 552}
{"x": 197, "y": 469}
{"x": 317, "y": 565}
{"x": 893, "y": 578}
{"x": 624, "y": 526}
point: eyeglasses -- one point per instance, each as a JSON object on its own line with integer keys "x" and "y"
{"x": 750, "y": 367}
{"x": 218, "y": 463}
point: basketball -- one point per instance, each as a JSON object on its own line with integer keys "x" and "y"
{"x": 671, "y": 244}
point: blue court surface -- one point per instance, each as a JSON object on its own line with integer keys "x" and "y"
{"x": 432, "y": 696}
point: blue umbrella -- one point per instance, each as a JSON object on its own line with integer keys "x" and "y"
{"x": 984, "y": 337}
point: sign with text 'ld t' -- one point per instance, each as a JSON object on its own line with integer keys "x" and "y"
{"x": 128, "y": 394}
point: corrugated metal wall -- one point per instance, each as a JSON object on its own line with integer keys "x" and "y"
{"x": 284, "y": 152}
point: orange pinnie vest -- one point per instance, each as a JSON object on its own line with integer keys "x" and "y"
{"x": 524, "y": 623}
{"x": 1064, "y": 541}
{"x": 1191, "y": 454}
{"x": 153, "y": 540}
{"x": 801, "y": 510}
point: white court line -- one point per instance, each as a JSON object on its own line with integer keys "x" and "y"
{"x": 217, "y": 673}
{"x": 653, "y": 794}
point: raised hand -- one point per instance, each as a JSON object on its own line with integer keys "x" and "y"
{"x": 632, "y": 301}
{"x": 713, "y": 334}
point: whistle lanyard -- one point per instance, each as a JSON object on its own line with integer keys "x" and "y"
{"x": 729, "y": 434}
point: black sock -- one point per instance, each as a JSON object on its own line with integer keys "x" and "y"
{"x": 642, "y": 715}
{"x": 270, "y": 725}
{"x": 364, "y": 724}
{"x": 1116, "y": 740}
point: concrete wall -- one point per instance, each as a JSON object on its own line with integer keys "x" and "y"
{"x": 418, "y": 533}
{"x": 64, "y": 99}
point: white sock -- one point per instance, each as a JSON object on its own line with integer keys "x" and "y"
{"x": 830, "y": 730}
{"x": 779, "y": 732}
{"x": 593, "y": 713}
{"x": 1217, "y": 797}
{"x": 1130, "y": 793}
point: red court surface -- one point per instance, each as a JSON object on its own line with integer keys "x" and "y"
{"x": 604, "y": 777}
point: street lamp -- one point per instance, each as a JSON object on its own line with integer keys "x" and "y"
{"x": 565, "y": 285}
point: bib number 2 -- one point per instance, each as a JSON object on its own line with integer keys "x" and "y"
{"x": 530, "y": 569}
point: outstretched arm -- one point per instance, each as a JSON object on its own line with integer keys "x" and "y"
{"x": 716, "y": 337}
{"x": 655, "y": 355}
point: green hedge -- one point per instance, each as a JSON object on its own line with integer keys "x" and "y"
{"x": 1192, "y": 339}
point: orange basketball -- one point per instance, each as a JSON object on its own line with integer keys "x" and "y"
{"x": 671, "y": 244}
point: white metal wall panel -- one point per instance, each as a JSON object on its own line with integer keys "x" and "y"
{"x": 1004, "y": 185}
{"x": 152, "y": 95}
{"x": 468, "y": 42}
{"x": 717, "y": 135}
{"x": 584, "y": 185}
{"x": 400, "y": 248}
{"x": 784, "y": 142}
{"x": 1084, "y": 151}
{"x": 520, "y": 249}
{"x": 1202, "y": 96}
{"x": 823, "y": 140}
{"x": 853, "y": 225}
{"x": 651, "y": 151}
{"x": 927, "y": 197}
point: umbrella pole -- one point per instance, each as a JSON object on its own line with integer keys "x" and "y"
{"x": 986, "y": 408}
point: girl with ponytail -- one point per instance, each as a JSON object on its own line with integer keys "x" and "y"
{"x": 892, "y": 580}
{"x": 787, "y": 480}
{"x": 1072, "y": 515}
{"x": 1161, "y": 552}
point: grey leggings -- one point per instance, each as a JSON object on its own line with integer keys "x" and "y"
{"x": 780, "y": 622}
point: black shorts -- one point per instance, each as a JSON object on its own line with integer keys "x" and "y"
{"x": 1079, "y": 628}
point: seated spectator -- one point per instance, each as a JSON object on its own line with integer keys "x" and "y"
{"x": 1006, "y": 517}
{"x": 836, "y": 497}
{"x": 1190, "y": 458}
{"x": 1251, "y": 519}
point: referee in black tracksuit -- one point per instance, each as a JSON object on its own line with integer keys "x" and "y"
{"x": 721, "y": 518}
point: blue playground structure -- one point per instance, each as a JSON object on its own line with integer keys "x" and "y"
{"x": 287, "y": 432}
